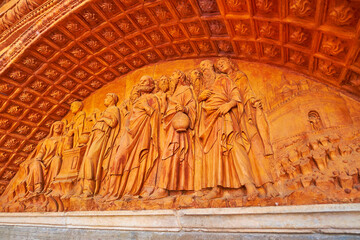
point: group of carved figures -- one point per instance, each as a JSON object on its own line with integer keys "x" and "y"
{"x": 324, "y": 159}
{"x": 201, "y": 133}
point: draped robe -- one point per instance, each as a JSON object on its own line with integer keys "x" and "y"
{"x": 41, "y": 167}
{"x": 138, "y": 148}
{"x": 176, "y": 167}
{"x": 46, "y": 164}
{"x": 255, "y": 147}
{"x": 99, "y": 150}
{"x": 225, "y": 161}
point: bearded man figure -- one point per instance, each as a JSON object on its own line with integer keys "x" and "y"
{"x": 254, "y": 124}
{"x": 225, "y": 162}
{"x": 138, "y": 148}
{"x": 161, "y": 93}
{"x": 176, "y": 167}
{"x": 162, "y": 87}
{"x": 197, "y": 84}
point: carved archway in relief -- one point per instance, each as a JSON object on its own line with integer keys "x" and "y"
{"x": 58, "y": 51}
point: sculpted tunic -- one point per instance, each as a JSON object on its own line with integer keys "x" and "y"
{"x": 101, "y": 142}
{"x": 176, "y": 168}
{"x": 225, "y": 162}
{"x": 138, "y": 148}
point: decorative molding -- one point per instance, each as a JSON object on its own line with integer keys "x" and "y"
{"x": 280, "y": 219}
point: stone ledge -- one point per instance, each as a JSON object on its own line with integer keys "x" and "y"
{"x": 327, "y": 218}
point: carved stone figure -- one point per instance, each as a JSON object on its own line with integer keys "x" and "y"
{"x": 196, "y": 141}
{"x": 47, "y": 161}
{"x": 98, "y": 152}
{"x": 138, "y": 148}
{"x": 197, "y": 83}
{"x": 77, "y": 124}
{"x": 41, "y": 167}
{"x": 254, "y": 124}
{"x": 225, "y": 161}
{"x": 176, "y": 167}
{"x": 252, "y": 105}
{"x": 162, "y": 87}
{"x": 161, "y": 92}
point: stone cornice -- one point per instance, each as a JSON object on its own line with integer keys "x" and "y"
{"x": 327, "y": 218}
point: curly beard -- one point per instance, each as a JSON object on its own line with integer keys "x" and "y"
{"x": 145, "y": 89}
{"x": 172, "y": 85}
{"x": 209, "y": 77}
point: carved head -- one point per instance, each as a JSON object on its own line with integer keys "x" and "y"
{"x": 111, "y": 99}
{"x": 225, "y": 65}
{"x": 76, "y": 107}
{"x": 56, "y": 128}
{"x": 146, "y": 84}
{"x": 163, "y": 83}
{"x": 207, "y": 65}
{"x": 195, "y": 77}
{"x": 177, "y": 77}
{"x": 208, "y": 70}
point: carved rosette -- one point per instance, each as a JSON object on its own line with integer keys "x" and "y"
{"x": 299, "y": 36}
{"x": 328, "y": 68}
{"x": 236, "y": 5}
{"x": 298, "y": 58}
{"x": 208, "y": 6}
{"x": 332, "y": 46}
{"x": 4, "y": 123}
{"x": 342, "y": 15}
{"x": 302, "y": 8}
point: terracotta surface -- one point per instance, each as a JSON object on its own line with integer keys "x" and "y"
{"x": 55, "y": 53}
{"x": 311, "y": 130}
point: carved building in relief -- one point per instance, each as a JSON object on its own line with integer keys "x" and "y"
{"x": 205, "y": 105}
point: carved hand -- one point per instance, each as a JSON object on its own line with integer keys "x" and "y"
{"x": 70, "y": 132}
{"x": 205, "y": 95}
{"x": 179, "y": 108}
{"x": 256, "y": 103}
{"x": 225, "y": 108}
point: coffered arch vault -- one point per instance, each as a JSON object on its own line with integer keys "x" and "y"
{"x": 55, "y": 52}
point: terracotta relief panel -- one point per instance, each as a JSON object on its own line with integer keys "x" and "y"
{"x": 275, "y": 137}
{"x": 51, "y": 61}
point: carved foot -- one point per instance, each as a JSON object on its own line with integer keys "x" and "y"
{"x": 159, "y": 193}
{"x": 270, "y": 190}
{"x": 252, "y": 192}
{"x": 86, "y": 194}
{"x": 100, "y": 198}
{"x": 147, "y": 192}
{"x": 109, "y": 198}
{"x": 214, "y": 193}
{"x": 38, "y": 188}
{"x": 227, "y": 195}
{"x": 198, "y": 194}
{"x": 127, "y": 198}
